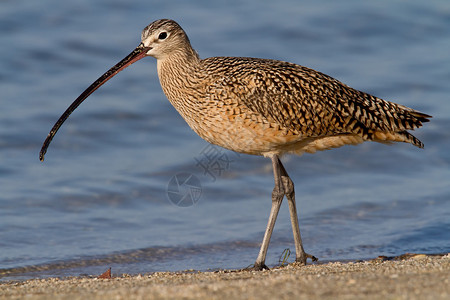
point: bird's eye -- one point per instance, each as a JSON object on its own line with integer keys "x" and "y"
{"x": 162, "y": 35}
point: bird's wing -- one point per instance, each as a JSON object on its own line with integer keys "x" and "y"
{"x": 310, "y": 102}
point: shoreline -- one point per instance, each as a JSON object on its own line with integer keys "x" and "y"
{"x": 412, "y": 276}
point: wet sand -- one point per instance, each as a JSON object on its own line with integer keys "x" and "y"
{"x": 409, "y": 277}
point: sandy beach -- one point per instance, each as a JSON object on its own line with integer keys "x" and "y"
{"x": 409, "y": 277}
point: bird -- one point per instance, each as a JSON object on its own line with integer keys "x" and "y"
{"x": 262, "y": 107}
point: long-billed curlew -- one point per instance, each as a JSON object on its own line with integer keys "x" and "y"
{"x": 262, "y": 107}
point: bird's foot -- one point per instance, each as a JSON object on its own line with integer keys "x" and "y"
{"x": 302, "y": 258}
{"x": 312, "y": 257}
{"x": 257, "y": 267}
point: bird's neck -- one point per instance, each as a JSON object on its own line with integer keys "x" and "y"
{"x": 179, "y": 63}
{"x": 177, "y": 73}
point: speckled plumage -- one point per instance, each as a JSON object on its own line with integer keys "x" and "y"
{"x": 263, "y": 106}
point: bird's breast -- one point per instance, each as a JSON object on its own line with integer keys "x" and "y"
{"x": 223, "y": 120}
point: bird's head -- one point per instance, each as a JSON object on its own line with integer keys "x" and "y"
{"x": 162, "y": 38}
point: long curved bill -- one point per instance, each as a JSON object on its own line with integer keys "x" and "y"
{"x": 131, "y": 58}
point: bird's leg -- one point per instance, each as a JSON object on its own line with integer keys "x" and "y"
{"x": 288, "y": 186}
{"x": 277, "y": 198}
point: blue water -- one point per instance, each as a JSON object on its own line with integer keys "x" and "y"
{"x": 101, "y": 198}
